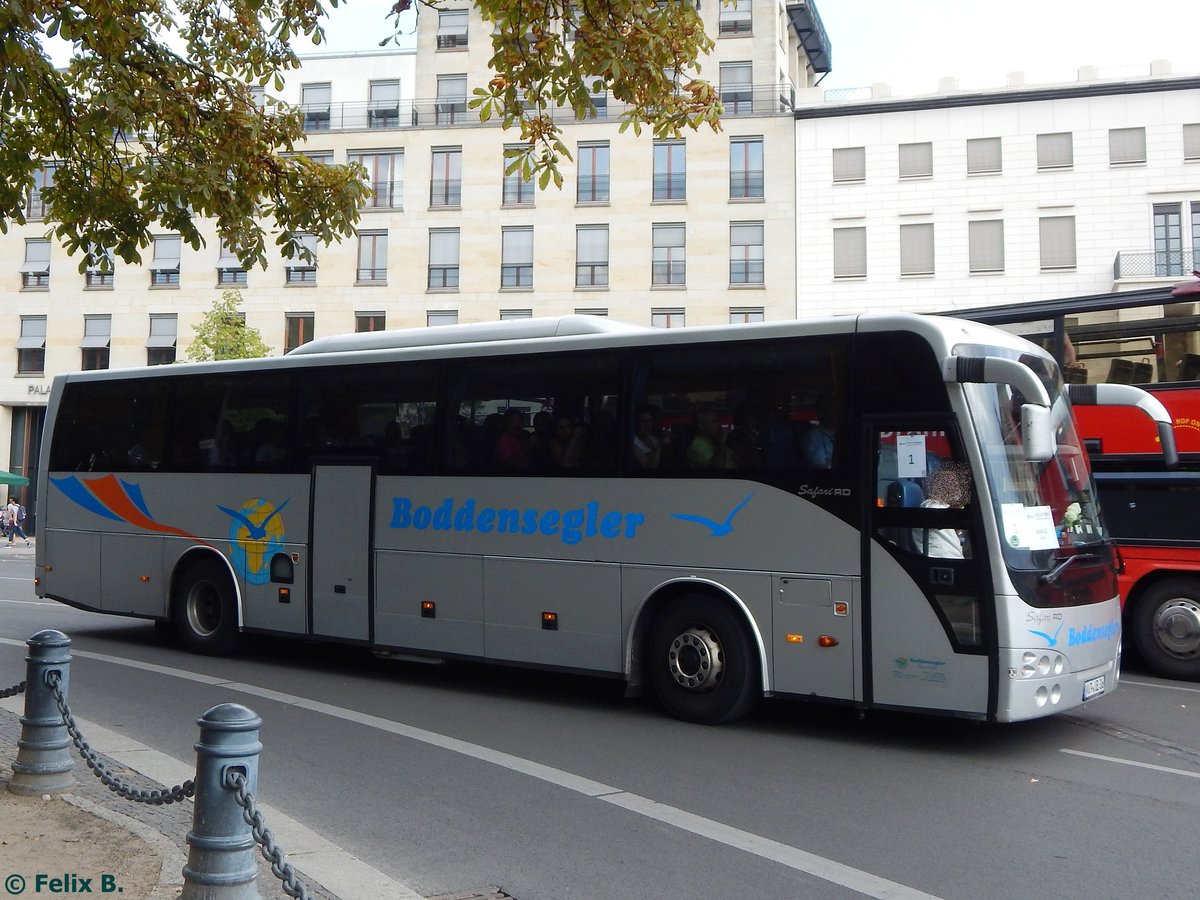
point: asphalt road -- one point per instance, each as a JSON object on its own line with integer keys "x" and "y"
{"x": 448, "y": 777}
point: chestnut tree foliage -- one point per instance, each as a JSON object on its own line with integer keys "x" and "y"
{"x": 152, "y": 125}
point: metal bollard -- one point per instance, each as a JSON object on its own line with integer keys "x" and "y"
{"x": 44, "y": 760}
{"x": 221, "y": 863}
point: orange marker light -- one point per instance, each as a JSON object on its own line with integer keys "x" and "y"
{"x": 827, "y": 640}
{"x": 795, "y": 639}
{"x": 144, "y": 579}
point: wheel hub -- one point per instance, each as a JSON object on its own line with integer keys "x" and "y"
{"x": 695, "y": 660}
{"x": 1177, "y": 627}
{"x": 203, "y": 609}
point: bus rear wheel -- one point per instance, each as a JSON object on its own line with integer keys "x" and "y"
{"x": 702, "y": 661}
{"x": 1166, "y": 628}
{"x": 203, "y": 611}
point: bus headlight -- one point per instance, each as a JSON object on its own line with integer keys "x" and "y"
{"x": 1034, "y": 665}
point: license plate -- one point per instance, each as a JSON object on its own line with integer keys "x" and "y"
{"x": 1093, "y": 687}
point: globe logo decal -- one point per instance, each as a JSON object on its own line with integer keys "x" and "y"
{"x": 256, "y": 533}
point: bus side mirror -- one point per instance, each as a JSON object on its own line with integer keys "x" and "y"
{"x": 1037, "y": 434}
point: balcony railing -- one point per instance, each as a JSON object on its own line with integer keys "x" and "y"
{"x": 1154, "y": 263}
{"x": 761, "y": 100}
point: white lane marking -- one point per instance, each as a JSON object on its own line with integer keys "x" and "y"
{"x": 1155, "y": 684}
{"x": 26, "y": 602}
{"x": 856, "y": 880}
{"x": 1130, "y": 762}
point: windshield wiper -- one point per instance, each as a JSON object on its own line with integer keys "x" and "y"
{"x": 1063, "y": 563}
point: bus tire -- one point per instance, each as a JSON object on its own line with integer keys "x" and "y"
{"x": 1166, "y": 628}
{"x": 702, "y": 661}
{"x": 204, "y": 611}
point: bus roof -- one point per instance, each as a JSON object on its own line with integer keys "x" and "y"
{"x": 478, "y": 332}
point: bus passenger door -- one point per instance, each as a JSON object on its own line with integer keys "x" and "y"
{"x": 340, "y": 587}
{"x": 927, "y": 598}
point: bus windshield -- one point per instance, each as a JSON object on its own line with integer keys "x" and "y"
{"x": 1046, "y": 511}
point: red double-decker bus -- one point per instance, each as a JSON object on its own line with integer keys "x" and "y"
{"x": 1149, "y": 338}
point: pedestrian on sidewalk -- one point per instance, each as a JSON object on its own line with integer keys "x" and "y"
{"x": 15, "y": 519}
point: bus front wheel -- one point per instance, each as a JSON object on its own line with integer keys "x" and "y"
{"x": 204, "y": 611}
{"x": 702, "y": 661}
{"x": 1166, "y": 628}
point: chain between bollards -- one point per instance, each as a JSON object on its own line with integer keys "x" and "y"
{"x": 12, "y": 691}
{"x": 280, "y": 867}
{"x": 156, "y": 797}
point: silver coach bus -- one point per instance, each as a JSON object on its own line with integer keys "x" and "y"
{"x": 713, "y": 514}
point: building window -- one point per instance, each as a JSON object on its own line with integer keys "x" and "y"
{"x": 383, "y": 110}
{"x": 452, "y": 29}
{"x": 372, "y": 257}
{"x": 35, "y": 271}
{"x": 1057, "y": 239}
{"x": 670, "y": 170}
{"x": 316, "y": 101}
{"x": 670, "y": 255}
{"x": 35, "y": 204}
{"x": 97, "y": 335}
{"x": 160, "y": 345}
{"x": 986, "y": 240}
{"x": 509, "y": 314}
{"x": 518, "y": 189}
{"x": 591, "y": 256}
{"x": 516, "y": 257}
{"x": 1168, "y": 240}
{"x": 1126, "y": 146}
{"x": 369, "y": 321}
{"x": 443, "y": 259}
{"x": 916, "y": 249}
{"x": 599, "y": 101}
{"x": 984, "y": 156}
{"x": 667, "y": 318}
{"x": 743, "y": 315}
{"x": 746, "y": 253}
{"x": 591, "y": 311}
{"x": 916, "y": 160}
{"x": 385, "y": 174}
{"x": 299, "y": 330}
{"x": 451, "y": 99}
{"x": 301, "y": 270}
{"x": 745, "y": 168}
{"x": 31, "y": 346}
{"x": 735, "y": 17}
{"x": 593, "y": 173}
{"x": 850, "y": 252}
{"x": 737, "y": 88}
{"x": 1055, "y": 151}
{"x": 1196, "y": 235}
{"x": 849, "y": 164}
{"x": 100, "y": 269}
{"x": 230, "y": 270}
{"x": 164, "y": 267}
{"x": 441, "y": 317}
{"x": 1191, "y": 141}
{"x": 445, "y": 184}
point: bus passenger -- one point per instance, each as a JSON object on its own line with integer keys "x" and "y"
{"x": 707, "y": 449}
{"x": 647, "y": 445}
{"x": 566, "y": 443}
{"x": 746, "y": 440}
{"x": 816, "y": 445}
{"x": 512, "y": 446}
{"x": 947, "y": 488}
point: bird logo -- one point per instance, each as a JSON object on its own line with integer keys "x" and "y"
{"x": 256, "y": 534}
{"x": 1050, "y": 641}
{"x": 718, "y": 529}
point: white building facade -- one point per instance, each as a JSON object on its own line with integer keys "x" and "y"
{"x": 695, "y": 230}
{"x": 959, "y": 200}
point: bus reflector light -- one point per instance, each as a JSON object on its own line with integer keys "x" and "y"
{"x": 428, "y": 609}
{"x": 144, "y": 578}
{"x": 285, "y": 595}
{"x": 841, "y": 608}
{"x": 550, "y": 621}
{"x": 795, "y": 639}
{"x": 36, "y": 581}
{"x": 295, "y": 557}
{"x": 828, "y": 640}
